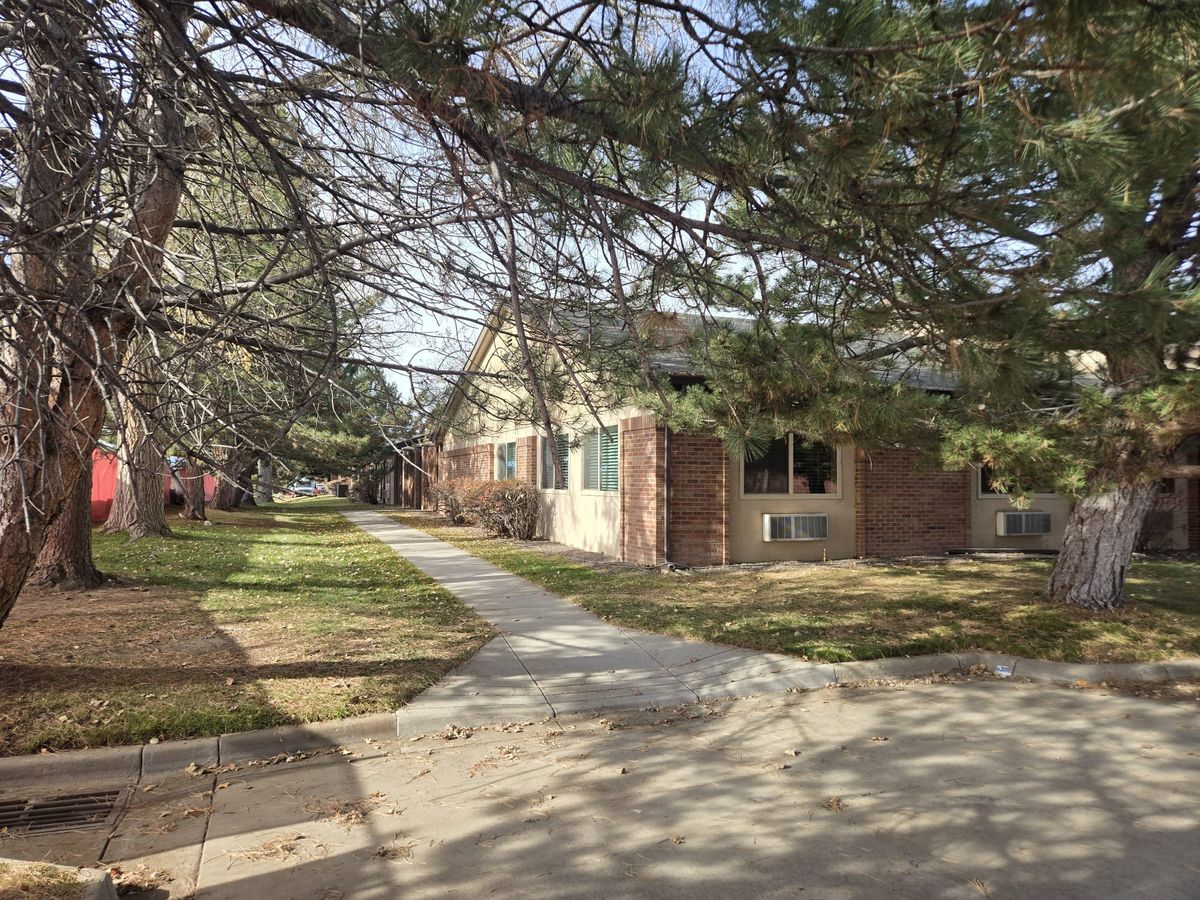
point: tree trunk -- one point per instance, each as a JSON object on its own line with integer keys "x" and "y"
{"x": 1097, "y": 546}
{"x": 246, "y": 483}
{"x": 60, "y": 328}
{"x": 227, "y": 496}
{"x": 264, "y": 487}
{"x": 51, "y": 409}
{"x": 138, "y": 508}
{"x": 66, "y": 557}
{"x": 191, "y": 477}
{"x": 233, "y": 485}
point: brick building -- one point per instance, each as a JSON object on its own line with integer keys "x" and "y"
{"x": 637, "y": 491}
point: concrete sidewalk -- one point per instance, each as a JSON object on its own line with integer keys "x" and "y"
{"x": 554, "y": 658}
{"x": 984, "y": 788}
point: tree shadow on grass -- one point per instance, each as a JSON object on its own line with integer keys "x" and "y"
{"x": 209, "y": 632}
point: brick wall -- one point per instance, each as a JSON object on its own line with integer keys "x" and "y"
{"x": 699, "y": 500}
{"x": 1193, "y": 506}
{"x": 900, "y": 510}
{"x": 431, "y": 463}
{"x": 477, "y": 461}
{"x": 527, "y": 458}
{"x": 641, "y": 483}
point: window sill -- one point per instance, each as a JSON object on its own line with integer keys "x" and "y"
{"x": 817, "y": 497}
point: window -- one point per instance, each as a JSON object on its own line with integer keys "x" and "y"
{"x": 563, "y": 447}
{"x": 591, "y": 461}
{"x": 507, "y": 458}
{"x": 769, "y": 473}
{"x": 988, "y": 487}
{"x": 609, "y": 459}
{"x": 814, "y": 468}
{"x": 792, "y": 465}
{"x": 601, "y": 460}
{"x": 987, "y": 481}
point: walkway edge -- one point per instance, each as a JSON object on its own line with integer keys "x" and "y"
{"x": 131, "y": 763}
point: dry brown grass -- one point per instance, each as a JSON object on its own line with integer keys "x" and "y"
{"x": 870, "y": 609}
{"x": 282, "y": 847}
{"x": 38, "y": 881}
{"x": 269, "y": 617}
{"x": 345, "y": 812}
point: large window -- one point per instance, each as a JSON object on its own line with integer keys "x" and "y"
{"x": 989, "y": 488}
{"x": 601, "y": 460}
{"x": 792, "y": 465}
{"x": 561, "y": 447}
{"x": 507, "y": 459}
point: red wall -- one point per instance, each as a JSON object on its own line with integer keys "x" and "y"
{"x": 104, "y": 484}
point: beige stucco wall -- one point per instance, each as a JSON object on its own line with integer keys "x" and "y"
{"x": 581, "y": 518}
{"x": 984, "y": 508}
{"x": 590, "y": 520}
{"x": 746, "y": 542}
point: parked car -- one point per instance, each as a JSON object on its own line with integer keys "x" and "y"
{"x": 303, "y": 488}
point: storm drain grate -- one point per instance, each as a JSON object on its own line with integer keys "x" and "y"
{"x": 60, "y": 813}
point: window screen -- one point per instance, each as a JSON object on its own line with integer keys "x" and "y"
{"x": 814, "y": 468}
{"x": 769, "y": 473}
{"x": 986, "y": 478}
{"x": 564, "y": 458}
{"x": 510, "y": 461}
{"x": 547, "y": 473}
{"x": 591, "y": 461}
{"x": 609, "y": 459}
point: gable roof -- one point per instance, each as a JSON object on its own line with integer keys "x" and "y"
{"x": 669, "y": 354}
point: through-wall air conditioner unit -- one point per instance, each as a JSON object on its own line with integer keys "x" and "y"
{"x": 795, "y": 527}
{"x": 1016, "y": 524}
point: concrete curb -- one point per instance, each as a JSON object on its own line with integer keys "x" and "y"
{"x": 129, "y": 765}
{"x": 248, "y": 745}
{"x": 96, "y": 883}
{"x": 104, "y": 765}
{"x": 114, "y": 765}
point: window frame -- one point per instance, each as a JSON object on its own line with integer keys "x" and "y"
{"x": 502, "y": 470}
{"x": 561, "y": 442}
{"x": 597, "y": 434}
{"x": 981, "y": 494}
{"x": 743, "y": 494}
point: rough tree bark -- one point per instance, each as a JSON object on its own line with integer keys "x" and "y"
{"x": 137, "y": 507}
{"x": 264, "y": 486}
{"x": 51, "y": 403}
{"x": 191, "y": 479}
{"x": 66, "y": 557}
{"x": 1098, "y": 544}
{"x": 51, "y": 413}
{"x": 233, "y": 486}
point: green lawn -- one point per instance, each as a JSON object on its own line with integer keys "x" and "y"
{"x": 839, "y": 612}
{"x": 283, "y": 614}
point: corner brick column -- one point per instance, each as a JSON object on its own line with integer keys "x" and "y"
{"x": 1193, "y": 506}
{"x": 527, "y": 461}
{"x": 699, "y": 500}
{"x": 641, "y": 488}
